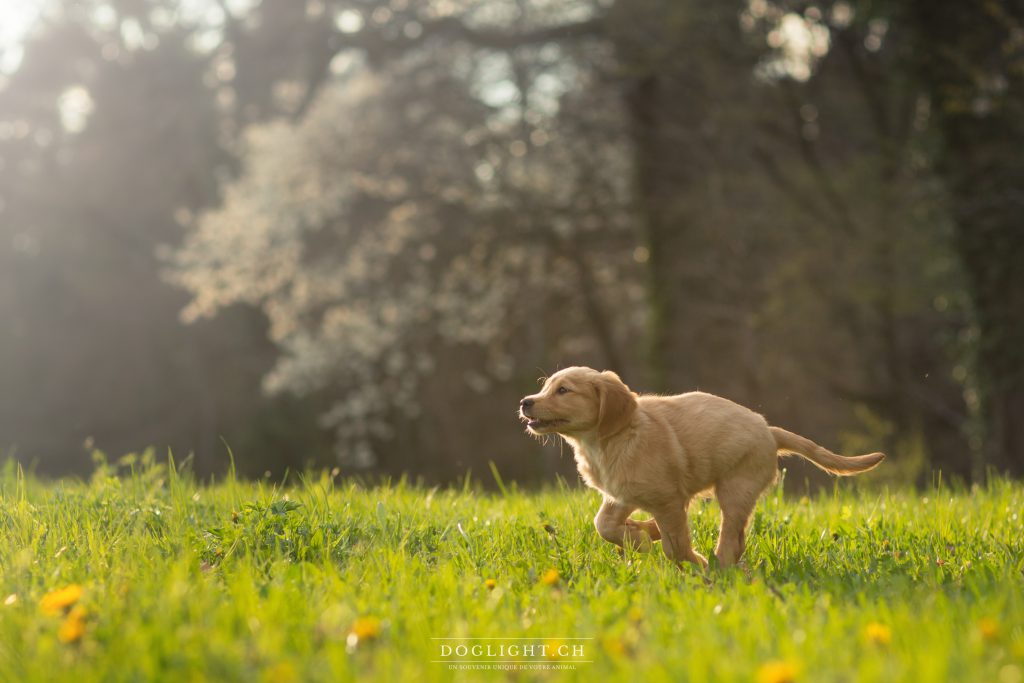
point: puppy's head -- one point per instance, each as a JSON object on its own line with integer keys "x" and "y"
{"x": 579, "y": 400}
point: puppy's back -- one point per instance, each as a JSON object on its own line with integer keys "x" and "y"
{"x": 715, "y": 433}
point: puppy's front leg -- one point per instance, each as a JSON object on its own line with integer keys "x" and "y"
{"x": 613, "y": 525}
{"x": 675, "y": 535}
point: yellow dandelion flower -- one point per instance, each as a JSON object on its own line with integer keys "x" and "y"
{"x": 363, "y": 629}
{"x": 491, "y": 584}
{"x": 635, "y": 614}
{"x": 777, "y": 671}
{"x": 73, "y": 628}
{"x": 57, "y": 601}
{"x": 989, "y": 628}
{"x": 366, "y": 628}
{"x": 550, "y": 577}
{"x": 879, "y": 634}
{"x": 553, "y": 649}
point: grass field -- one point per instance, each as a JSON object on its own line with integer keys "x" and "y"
{"x": 327, "y": 580}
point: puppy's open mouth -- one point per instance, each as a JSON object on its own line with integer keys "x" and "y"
{"x": 543, "y": 424}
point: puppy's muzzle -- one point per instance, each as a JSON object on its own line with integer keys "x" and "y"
{"x": 524, "y": 413}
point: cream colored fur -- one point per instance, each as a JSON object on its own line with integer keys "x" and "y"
{"x": 655, "y": 453}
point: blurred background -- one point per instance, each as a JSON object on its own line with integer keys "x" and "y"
{"x": 352, "y": 233}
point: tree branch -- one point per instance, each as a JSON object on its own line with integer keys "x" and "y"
{"x": 380, "y": 49}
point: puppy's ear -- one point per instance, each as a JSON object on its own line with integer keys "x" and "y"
{"x": 616, "y": 404}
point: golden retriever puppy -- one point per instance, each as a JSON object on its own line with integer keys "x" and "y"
{"x": 655, "y": 453}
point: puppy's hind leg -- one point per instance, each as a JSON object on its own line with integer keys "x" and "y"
{"x": 737, "y": 498}
{"x": 675, "y": 535}
{"x": 613, "y": 525}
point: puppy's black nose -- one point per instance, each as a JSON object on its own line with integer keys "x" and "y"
{"x": 526, "y": 403}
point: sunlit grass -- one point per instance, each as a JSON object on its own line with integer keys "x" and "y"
{"x": 150, "y": 575}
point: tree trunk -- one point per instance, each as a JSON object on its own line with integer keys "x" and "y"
{"x": 643, "y": 106}
{"x": 966, "y": 58}
{"x": 992, "y": 248}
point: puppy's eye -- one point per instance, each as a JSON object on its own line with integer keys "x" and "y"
{"x": 562, "y": 390}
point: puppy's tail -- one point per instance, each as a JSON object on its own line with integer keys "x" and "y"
{"x": 822, "y": 457}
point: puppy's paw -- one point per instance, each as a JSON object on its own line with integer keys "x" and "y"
{"x": 647, "y": 525}
{"x": 698, "y": 560}
{"x": 637, "y": 538}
